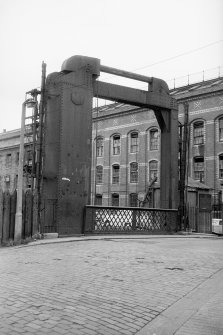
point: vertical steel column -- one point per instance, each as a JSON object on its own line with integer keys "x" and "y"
{"x": 169, "y": 161}
{"x": 67, "y": 162}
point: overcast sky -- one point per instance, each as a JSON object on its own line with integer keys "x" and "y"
{"x": 159, "y": 38}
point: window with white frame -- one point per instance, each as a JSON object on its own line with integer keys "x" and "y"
{"x": 198, "y": 129}
{"x": 115, "y": 173}
{"x": 153, "y": 139}
{"x": 221, "y": 166}
{"x": 153, "y": 170}
{"x": 99, "y": 174}
{"x": 116, "y": 142}
{"x": 99, "y": 146}
{"x": 199, "y": 168}
{"x": 134, "y": 142}
{"x": 221, "y": 129}
{"x": 134, "y": 172}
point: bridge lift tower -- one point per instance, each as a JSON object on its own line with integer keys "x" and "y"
{"x": 68, "y": 133}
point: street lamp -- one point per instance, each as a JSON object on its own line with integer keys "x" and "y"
{"x": 30, "y": 103}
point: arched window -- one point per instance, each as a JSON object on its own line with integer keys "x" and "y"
{"x": 153, "y": 139}
{"x": 99, "y": 174}
{"x": 199, "y": 168}
{"x": 115, "y": 173}
{"x": 198, "y": 128}
{"x": 116, "y": 144}
{"x": 134, "y": 142}
{"x": 221, "y": 166}
{"x": 221, "y": 129}
{"x": 153, "y": 170}
{"x": 99, "y": 146}
{"x": 134, "y": 172}
{"x": 115, "y": 199}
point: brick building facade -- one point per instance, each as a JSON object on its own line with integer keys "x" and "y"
{"x": 126, "y": 147}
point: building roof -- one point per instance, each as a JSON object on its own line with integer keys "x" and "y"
{"x": 196, "y": 184}
{"x": 197, "y": 89}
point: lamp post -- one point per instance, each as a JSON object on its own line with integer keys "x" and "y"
{"x": 18, "y": 216}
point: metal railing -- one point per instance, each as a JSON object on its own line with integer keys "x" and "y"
{"x": 196, "y": 77}
{"x": 101, "y": 220}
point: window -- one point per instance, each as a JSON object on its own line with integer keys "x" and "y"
{"x": 221, "y": 166}
{"x": 133, "y": 172}
{"x": 99, "y": 174}
{"x": 134, "y": 142}
{"x": 154, "y": 139}
{"x": 7, "y": 182}
{"x": 17, "y": 158}
{"x": 199, "y": 168}
{"x": 133, "y": 200}
{"x": 153, "y": 170}
{"x": 198, "y": 132}
{"x": 99, "y": 147}
{"x": 221, "y": 129}
{"x": 29, "y": 160}
{"x": 98, "y": 200}
{"x": 115, "y": 174}
{"x": 116, "y": 145}
{"x": 115, "y": 199}
{"x": 8, "y": 162}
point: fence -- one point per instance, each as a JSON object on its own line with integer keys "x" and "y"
{"x": 100, "y": 220}
{"x": 8, "y": 212}
{"x": 201, "y": 222}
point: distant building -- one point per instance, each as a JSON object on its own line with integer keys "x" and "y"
{"x": 9, "y": 160}
{"x": 126, "y": 148}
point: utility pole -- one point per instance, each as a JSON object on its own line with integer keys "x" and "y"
{"x": 18, "y": 216}
{"x": 39, "y": 157}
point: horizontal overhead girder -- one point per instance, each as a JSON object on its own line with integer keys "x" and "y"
{"x": 132, "y": 96}
{"x": 125, "y": 74}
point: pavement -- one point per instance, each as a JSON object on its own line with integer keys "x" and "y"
{"x": 113, "y": 285}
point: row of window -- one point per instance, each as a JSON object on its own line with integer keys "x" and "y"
{"x": 133, "y": 200}
{"x": 134, "y": 172}
{"x": 198, "y": 138}
{"x": 198, "y": 167}
{"x": 9, "y": 160}
{"x": 134, "y": 143}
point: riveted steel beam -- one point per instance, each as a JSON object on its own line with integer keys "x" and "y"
{"x": 132, "y": 96}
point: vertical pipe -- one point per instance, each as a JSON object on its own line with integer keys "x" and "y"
{"x": 33, "y": 175}
{"x": 40, "y": 141}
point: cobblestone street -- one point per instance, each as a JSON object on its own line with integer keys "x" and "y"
{"x": 109, "y": 286}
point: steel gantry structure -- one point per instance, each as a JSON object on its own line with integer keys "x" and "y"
{"x": 68, "y": 133}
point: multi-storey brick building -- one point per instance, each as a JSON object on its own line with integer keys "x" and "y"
{"x": 9, "y": 160}
{"x": 126, "y": 143}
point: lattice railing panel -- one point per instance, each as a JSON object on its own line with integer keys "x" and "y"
{"x": 128, "y": 219}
